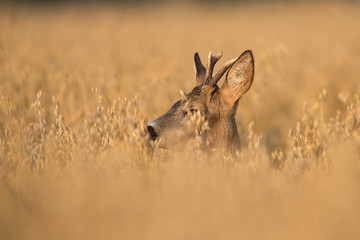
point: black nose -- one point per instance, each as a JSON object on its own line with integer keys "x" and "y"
{"x": 153, "y": 134}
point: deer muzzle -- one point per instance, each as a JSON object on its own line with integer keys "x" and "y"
{"x": 151, "y": 128}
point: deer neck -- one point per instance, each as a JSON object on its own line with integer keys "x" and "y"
{"x": 223, "y": 129}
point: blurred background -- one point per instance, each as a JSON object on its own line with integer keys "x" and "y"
{"x": 78, "y": 79}
{"x": 168, "y": 1}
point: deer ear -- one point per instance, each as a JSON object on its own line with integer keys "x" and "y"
{"x": 240, "y": 77}
{"x": 199, "y": 70}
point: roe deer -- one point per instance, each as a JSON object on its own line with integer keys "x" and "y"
{"x": 217, "y": 105}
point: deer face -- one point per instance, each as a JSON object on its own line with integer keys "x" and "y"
{"x": 217, "y": 105}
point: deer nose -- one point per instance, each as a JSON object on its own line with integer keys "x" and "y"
{"x": 152, "y": 132}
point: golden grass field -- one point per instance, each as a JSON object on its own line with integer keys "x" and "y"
{"x": 78, "y": 83}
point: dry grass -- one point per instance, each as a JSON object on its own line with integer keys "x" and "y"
{"x": 77, "y": 84}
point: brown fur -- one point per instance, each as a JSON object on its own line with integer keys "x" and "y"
{"x": 218, "y": 105}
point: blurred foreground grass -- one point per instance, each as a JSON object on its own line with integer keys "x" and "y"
{"x": 77, "y": 84}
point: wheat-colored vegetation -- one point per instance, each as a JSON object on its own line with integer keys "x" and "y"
{"x": 77, "y": 85}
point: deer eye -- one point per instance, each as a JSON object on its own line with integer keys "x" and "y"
{"x": 190, "y": 110}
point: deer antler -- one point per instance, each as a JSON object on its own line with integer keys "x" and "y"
{"x": 204, "y": 75}
{"x": 210, "y": 65}
{"x": 221, "y": 72}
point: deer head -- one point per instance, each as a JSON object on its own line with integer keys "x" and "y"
{"x": 217, "y": 105}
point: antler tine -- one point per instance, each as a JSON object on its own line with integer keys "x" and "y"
{"x": 221, "y": 71}
{"x": 210, "y": 65}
